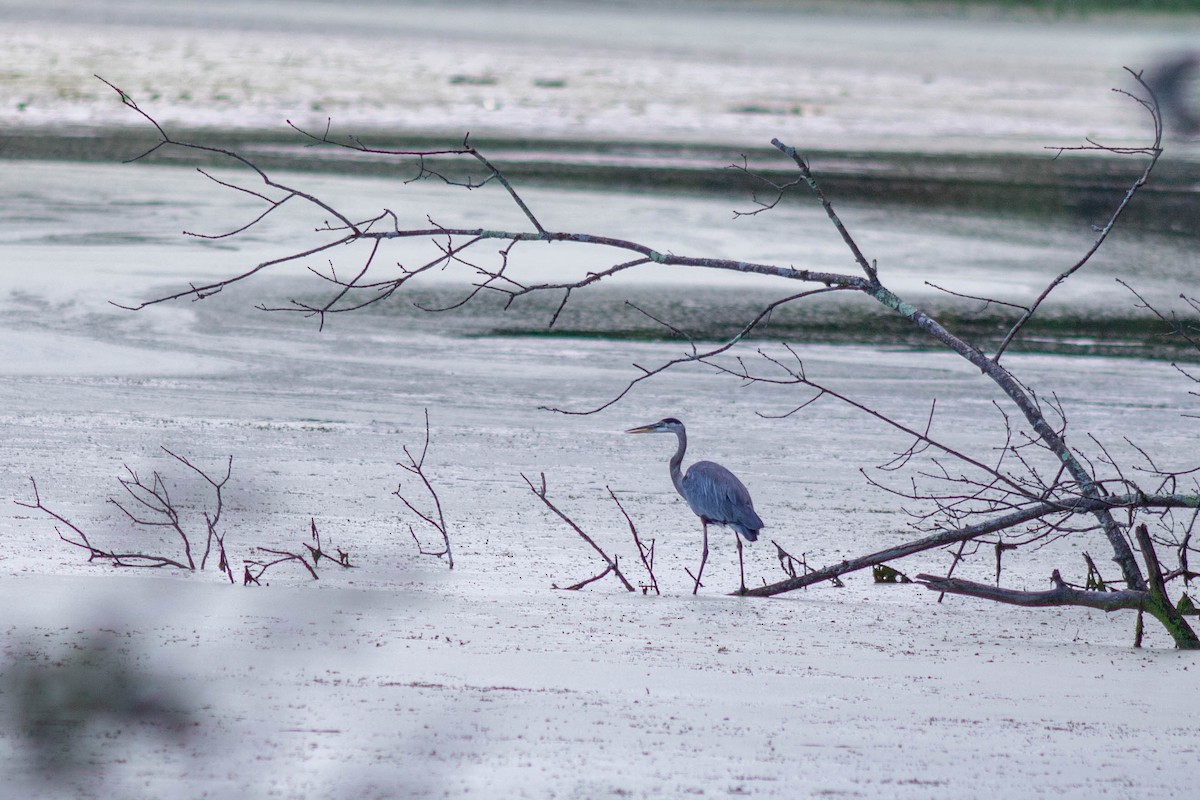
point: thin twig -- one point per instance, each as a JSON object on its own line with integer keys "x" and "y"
{"x": 1154, "y": 151}
{"x": 645, "y": 552}
{"x": 540, "y": 492}
{"x": 435, "y": 519}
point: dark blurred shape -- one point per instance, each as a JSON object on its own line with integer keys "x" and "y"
{"x": 1175, "y": 81}
{"x": 71, "y": 707}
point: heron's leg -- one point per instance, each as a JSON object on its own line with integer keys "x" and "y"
{"x": 741, "y": 565}
{"x": 703, "y": 559}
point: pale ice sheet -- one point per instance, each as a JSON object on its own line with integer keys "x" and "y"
{"x": 818, "y": 76}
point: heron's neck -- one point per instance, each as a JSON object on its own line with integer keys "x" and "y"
{"x": 677, "y": 459}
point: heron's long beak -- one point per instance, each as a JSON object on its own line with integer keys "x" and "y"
{"x": 644, "y": 429}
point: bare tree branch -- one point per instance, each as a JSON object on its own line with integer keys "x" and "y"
{"x": 151, "y": 506}
{"x": 316, "y": 551}
{"x": 1060, "y": 595}
{"x": 540, "y": 492}
{"x": 645, "y": 552}
{"x": 867, "y": 267}
{"x": 1154, "y": 151}
{"x": 696, "y": 355}
{"x": 967, "y": 533}
{"x": 253, "y": 570}
{"x": 435, "y": 519}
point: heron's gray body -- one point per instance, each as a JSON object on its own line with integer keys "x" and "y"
{"x": 717, "y": 496}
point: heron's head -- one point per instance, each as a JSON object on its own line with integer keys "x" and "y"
{"x": 668, "y": 425}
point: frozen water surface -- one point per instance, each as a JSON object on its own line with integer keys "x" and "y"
{"x": 401, "y": 678}
{"x": 818, "y": 76}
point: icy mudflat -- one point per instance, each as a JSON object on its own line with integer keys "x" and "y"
{"x": 401, "y": 678}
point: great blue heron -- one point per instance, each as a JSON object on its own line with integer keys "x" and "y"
{"x": 714, "y": 493}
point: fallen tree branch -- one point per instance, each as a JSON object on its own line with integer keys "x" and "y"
{"x": 1154, "y": 151}
{"x": 1159, "y": 602}
{"x": 788, "y": 563}
{"x": 1060, "y": 595}
{"x": 249, "y": 577}
{"x": 316, "y": 551}
{"x": 1076, "y": 489}
{"x": 574, "y": 587}
{"x": 956, "y": 535}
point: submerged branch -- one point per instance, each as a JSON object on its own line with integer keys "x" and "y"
{"x": 966, "y": 533}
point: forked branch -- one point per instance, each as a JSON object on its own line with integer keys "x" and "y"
{"x": 540, "y": 491}
{"x": 645, "y": 551}
{"x": 150, "y": 505}
{"x": 1153, "y": 151}
{"x": 435, "y": 519}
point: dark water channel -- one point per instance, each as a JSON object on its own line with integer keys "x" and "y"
{"x": 949, "y": 258}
